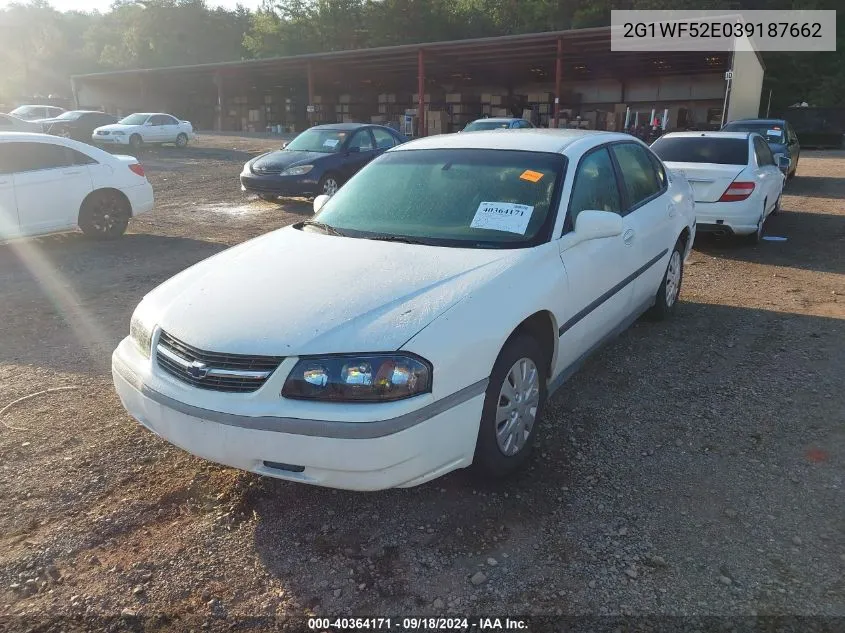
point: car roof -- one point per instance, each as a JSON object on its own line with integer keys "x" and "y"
{"x": 342, "y": 126}
{"x": 772, "y": 121}
{"x": 499, "y": 119}
{"x": 31, "y": 136}
{"x": 742, "y": 135}
{"x": 533, "y": 140}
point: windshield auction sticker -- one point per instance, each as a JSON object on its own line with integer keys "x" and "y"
{"x": 502, "y": 216}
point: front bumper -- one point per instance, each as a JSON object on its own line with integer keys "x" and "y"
{"x": 276, "y": 184}
{"x": 736, "y": 218}
{"x": 110, "y": 139}
{"x": 308, "y": 451}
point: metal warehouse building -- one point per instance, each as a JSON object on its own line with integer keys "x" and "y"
{"x": 558, "y": 79}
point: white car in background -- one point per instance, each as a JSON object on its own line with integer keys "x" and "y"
{"x": 736, "y": 179}
{"x": 417, "y": 324}
{"x": 36, "y": 112}
{"x": 145, "y": 128}
{"x": 10, "y": 123}
{"x": 50, "y": 183}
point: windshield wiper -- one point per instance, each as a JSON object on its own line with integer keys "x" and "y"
{"x": 327, "y": 228}
{"x": 397, "y": 238}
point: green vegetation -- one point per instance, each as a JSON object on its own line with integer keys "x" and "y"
{"x": 40, "y": 47}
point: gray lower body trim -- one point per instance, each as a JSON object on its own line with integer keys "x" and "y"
{"x": 567, "y": 373}
{"x": 299, "y": 426}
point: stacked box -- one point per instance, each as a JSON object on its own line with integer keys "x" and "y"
{"x": 436, "y": 122}
{"x": 500, "y": 112}
{"x": 461, "y": 97}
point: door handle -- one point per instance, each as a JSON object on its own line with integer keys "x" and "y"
{"x": 672, "y": 210}
{"x": 4, "y": 182}
{"x": 72, "y": 172}
{"x": 628, "y": 236}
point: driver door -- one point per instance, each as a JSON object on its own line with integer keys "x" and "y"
{"x": 360, "y": 150}
{"x": 599, "y": 271}
{"x": 9, "y": 224}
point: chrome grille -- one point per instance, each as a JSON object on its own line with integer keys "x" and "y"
{"x": 213, "y": 370}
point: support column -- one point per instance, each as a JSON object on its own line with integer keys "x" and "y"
{"x": 310, "y": 115}
{"x": 221, "y": 98}
{"x": 558, "y": 80}
{"x": 421, "y": 92}
{"x": 74, "y": 88}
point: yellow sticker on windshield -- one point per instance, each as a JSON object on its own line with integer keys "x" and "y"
{"x": 531, "y": 176}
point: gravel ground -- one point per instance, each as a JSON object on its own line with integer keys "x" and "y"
{"x": 693, "y": 467}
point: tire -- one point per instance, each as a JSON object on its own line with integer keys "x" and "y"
{"x": 329, "y": 184}
{"x": 757, "y": 236}
{"x": 776, "y": 210}
{"x": 182, "y": 140}
{"x": 268, "y": 197}
{"x": 104, "y": 215}
{"x": 666, "y": 299}
{"x": 499, "y": 451}
{"x": 136, "y": 142}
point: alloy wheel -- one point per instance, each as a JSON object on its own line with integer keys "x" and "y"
{"x": 516, "y": 411}
{"x": 673, "y": 279}
{"x": 330, "y": 186}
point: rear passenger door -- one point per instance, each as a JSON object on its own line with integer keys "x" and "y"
{"x": 50, "y": 185}
{"x": 649, "y": 214}
{"x": 768, "y": 176}
{"x": 360, "y": 151}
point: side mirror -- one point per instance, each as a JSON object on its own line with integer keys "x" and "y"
{"x": 284, "y": 144}
{"x": 592, "y": 225}
{"x": 319, "y": 201}
{"x": 149, "y": 124}
{"x": 784, "y": 163}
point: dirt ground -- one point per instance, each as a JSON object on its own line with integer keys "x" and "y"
{"x": 693, "y": 467}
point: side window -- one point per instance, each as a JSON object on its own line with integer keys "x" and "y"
{"x": 362, "y": 140}
{"x": 4, "y": 122}
{"x": 156, "y": 120}
{"x": 38, "y": 156}
{"x": 79, "y": 158}
{"x": 169, "y": 120}
{"x": 639, "y": 178}
{"x": 384, "y": 139}
{"x": 659, "y": 170}
{"x": 595, "y": 186}
{"x": 764, "y": 154}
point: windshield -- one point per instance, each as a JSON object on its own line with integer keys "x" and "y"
{"x": 69, "y": 116}
{"x": 772, "y": 132}
{"x": 325, "y": 141}
{"x": 135, "y": 119}
{"x": 476, "y": 126}
{"x": 27, "y": 112}
{"x": 474, "y": 198}
{"x": 702, "y": 149}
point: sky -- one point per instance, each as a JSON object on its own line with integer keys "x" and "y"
{"x": 103, "y": 5}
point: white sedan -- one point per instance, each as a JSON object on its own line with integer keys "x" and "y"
{"x": 418, "y": 323}
{"x": 736, "y": 180}
{"x": 145, "y": 128}
{"x": 50, "y": 183}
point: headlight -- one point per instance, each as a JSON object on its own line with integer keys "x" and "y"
{"x": 118, "y": 133}
{"x": 141, "y": 334}
{"x": 299, "y": 170}
{"x": 358, "y": 378}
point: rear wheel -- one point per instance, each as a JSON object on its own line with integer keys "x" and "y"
{"x": 104, "y": 215}
{"x": 512, "y": 407}
{"x": 182, "y": 140}
{"x": 267, "y": 197}
{"x": 670, "y": 287}
{"x": 757, "y": 236}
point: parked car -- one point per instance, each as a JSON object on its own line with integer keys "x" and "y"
{"x": 9, "y": 123}
{"x": 497, "y": 123}
{"x": 779, "y": 134}
{"x": 49, "y": 184}
{"x": 418, "y": 322}
{"x": 77, "y": 124}
{"x": 145, "y": 128}
{"x": 317, "y": 161}
{"x": 735, "y": 177}
{"x": 36, "y": 112}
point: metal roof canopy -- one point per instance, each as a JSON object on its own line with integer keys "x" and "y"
{"x": 499, "y": 60}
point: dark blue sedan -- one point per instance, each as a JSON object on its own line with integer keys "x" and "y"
{"x": 778, "y": 134}
{"x": 318, "y": 161}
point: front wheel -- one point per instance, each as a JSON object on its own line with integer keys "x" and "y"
{"x": 670, "y": 287}
{"x": 135, "y": 142}
{"x": 329, "y": 184}
{"x": 182, "y": 140}
{"x": 512, "y": 407}
{"x": 104, "y": 215}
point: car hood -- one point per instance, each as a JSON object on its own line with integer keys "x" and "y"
{"x": 291, "y": 292}
{"x": 118, "y": 126}
{"x": 278, "y": 161}
{"x": 51, "y": 121}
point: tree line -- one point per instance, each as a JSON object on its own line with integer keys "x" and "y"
{"x": 40, "y": 48}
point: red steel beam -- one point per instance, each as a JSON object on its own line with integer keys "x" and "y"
{"x": 421, "y": 92}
